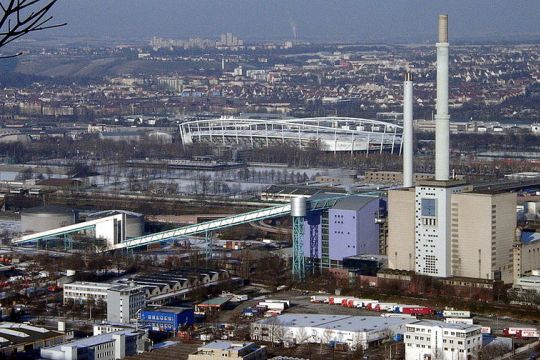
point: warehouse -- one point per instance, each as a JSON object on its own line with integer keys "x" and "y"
{"x": 353, "y": 331}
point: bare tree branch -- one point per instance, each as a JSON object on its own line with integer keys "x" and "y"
{"x": 21, "y": 17}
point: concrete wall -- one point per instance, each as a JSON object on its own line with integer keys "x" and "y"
{"x": 401, "y": 229}
{"x": 483, "y": 233}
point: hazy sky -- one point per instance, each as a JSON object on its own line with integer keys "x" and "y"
{"x": 357, "y": 20}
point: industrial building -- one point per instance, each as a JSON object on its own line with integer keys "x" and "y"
{"x": 166, "y": 318}
{"x": 225, "y": 349}
{"x": 444, "y": 227}
{"x": 123, "y": 302}
{"x": 134, "y": 222}
{"x": 335, "y": 134}
{"x": 429, "y": 339}
{"x": 471, "y": 236}
{"x": 351, "y": 227}
{"x": 45, "y": 218}
{"x": 353, "y": 331}
{"x": 113, "y": 346}
{"x": 526, "y": 252}
{"x": 20, "y": 338}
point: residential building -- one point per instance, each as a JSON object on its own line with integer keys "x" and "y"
{"x": 113, "y": 346}
{"x": 123, "y": 303}
{"x": 166, "y": 318}
{"x": 430, "y": 339}
{"x": 354, "y": 331}
{"x": 82, "y": 291}
{"x": 219, "y": 349}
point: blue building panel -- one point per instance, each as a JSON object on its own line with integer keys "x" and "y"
{"x": 313, "y": 229}
{"x": 166, "y": 318}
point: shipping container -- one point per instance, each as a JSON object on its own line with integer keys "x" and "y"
{"x": 286, "y": 302}
{"x": 319, "y": 299}
{"x": 384, "y": 306}
{"x": 417, "y": 310}
{"x": 485, "y": 330}
{"x": 271, "y": 305}
{"x": 457, "y": 313}
{"x": 459, "y": 321}
{"x": 514, "y": 330}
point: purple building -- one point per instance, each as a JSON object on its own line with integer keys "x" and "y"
{"x": 347, "y": 229}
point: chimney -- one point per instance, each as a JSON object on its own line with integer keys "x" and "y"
{"x": 408, "y": 155}
{"x": 442, "y": 119}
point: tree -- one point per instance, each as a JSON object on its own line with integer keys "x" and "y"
{"x": 21, "y": 17}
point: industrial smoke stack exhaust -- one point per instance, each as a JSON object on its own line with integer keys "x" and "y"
{"x": 408, "y": 155}
{"x": 442, "y": 119}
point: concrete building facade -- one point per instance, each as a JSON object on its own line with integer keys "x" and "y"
{"x": 82, "y": 291}
{"x": 123, "y": 303}
{"x": 225, "y": 349}
{"x": 347, "y": 229}
{"x": 430, "y": 339}
{"x": 472, "y": 235}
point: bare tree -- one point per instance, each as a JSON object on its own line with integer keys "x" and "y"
{"x": 21, "y": 17}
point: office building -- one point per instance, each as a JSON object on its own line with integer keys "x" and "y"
{"x": 225, "y": 349}
{"x": 113, "y": 346}
{"x": 82, "y": 291}
{"x": 124, "y": 301}
{"x": 429, "y": 339}
{"x": 166, "y": 318}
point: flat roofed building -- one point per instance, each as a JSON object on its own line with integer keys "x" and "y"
{"x": 166, "y": 318}
{"x": 113, "y": 346}
{"x": 354, "y": 331}
{"x": 84, "y": 291}
{"x": 430, "y": 339}
{"x": 124, "y": 301}
{"x": 446, "y": 230}
{"x": 230, "y": 350}
{"x": 18, "y": 338}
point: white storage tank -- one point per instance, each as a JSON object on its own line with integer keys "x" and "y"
{"x": 134, "y": 221}
{"x": 45, "y": 218}
{"x": 298, "y": 206}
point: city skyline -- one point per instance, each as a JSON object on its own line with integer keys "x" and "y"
{"x": 341, "y": 20}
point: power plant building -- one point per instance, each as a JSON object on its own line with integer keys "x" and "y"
{"x": 443, "y": 227}
{"x": 45, "y": 218}
{"x": 349, "y": 228}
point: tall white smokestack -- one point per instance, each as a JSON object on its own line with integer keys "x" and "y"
{"x": 408, "y": 156}
{"x": 442, "y": 119}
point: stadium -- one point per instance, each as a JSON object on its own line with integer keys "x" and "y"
{"x": 334, "y": 134}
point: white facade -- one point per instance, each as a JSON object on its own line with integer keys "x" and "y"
{"x": 124, "y": 301}
{"x": 112, "y": 346}
{"x": 83, "y": 291}
{"x": 354, "y": 331}
{"x": 531, "y": 283}
{"x": 432, "y": 227}
{"x": 438, "y": 340}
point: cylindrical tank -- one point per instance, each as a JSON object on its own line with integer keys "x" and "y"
{"x": 45, "y": 218}
{"x": 298, "y": 206}
{"x": 134, "y": 221}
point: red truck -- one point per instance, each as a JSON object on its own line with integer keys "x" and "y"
{"x": 418, "y": 311}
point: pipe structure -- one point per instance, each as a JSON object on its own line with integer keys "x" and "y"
{"x": 408, "y": 155}
{"x": 442, "y": 119}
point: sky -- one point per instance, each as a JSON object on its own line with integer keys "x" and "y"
{"x": 340, "y": 20}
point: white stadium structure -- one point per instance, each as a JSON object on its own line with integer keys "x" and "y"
{"x": 335, "y": 134}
